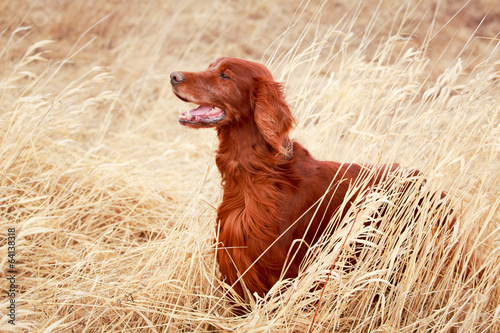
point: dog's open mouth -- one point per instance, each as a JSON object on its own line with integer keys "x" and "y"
{"x": 203, "y": 114}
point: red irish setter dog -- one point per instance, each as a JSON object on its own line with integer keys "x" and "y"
{"x": 278, "y": 200}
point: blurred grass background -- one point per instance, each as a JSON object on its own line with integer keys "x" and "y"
{"x": 114, "y": 203}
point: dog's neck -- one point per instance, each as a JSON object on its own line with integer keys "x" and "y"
{"x": 244, "y": 150}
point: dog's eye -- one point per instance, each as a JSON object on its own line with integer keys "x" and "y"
{"x": 224, "y": 76}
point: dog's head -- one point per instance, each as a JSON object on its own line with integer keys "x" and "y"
{"x": 234, "y": 92}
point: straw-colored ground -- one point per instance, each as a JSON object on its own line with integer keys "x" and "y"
{"x": 113, "y": 203}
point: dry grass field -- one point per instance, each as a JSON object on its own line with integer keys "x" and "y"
{"x": 112, "y": 203}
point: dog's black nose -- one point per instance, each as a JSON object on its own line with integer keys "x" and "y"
{"x": 177, "y": 77}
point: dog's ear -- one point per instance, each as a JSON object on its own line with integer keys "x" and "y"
{"x": 271, "y": 112}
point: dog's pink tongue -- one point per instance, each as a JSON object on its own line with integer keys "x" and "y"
{"x": 200, "y": 110}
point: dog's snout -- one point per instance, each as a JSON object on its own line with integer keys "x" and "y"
{"x": 177, "y": 77}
